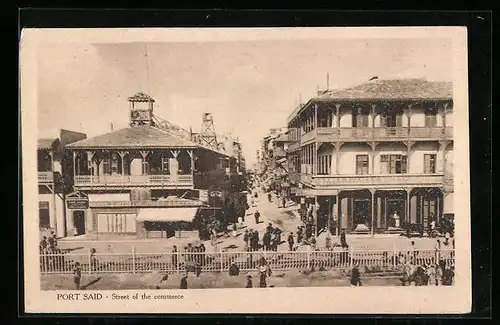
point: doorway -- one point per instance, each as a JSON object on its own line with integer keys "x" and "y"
{"x": 396, "y": 206}
{"x": 79, "y": 222}
{"x": 362, "y": 213}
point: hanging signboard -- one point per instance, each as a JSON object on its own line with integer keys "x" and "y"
{"x": 215, "y": 194}
{"x": 77, "y": 203}
{"x": 77, "y": 200}
{"x": 203, "y": 196}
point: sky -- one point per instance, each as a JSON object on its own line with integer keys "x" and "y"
{"x": 248, "y": 86}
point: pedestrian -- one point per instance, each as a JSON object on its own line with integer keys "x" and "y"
{"x": 174, "y": 256}
{"x": 246, "y": 238}
{"x": 51, "y": 242}
{"x": 269, "y": 227}
{"x": 413, "y": 252}
{"x": 284, "y": 202}
{"x": 290, "y": 242}
{"x": 313, "y": 242}
{"x": 255, "y": 240}
{"x": 355, "y": 276}
{"x": 328, "y": 241}
{"x": 77, "y": 275}
{"x": 437, "y": 250}
{"x": 299, "y": 234}
{"x": 235, "y": 229}
{"x": 184, "y": 283}
{"x": 264, "y": 272}
{"x": 43, "y": 243}
{"x": 343, "y": 241}
{"x": 269, "y": 196}
{"x": 249, "y": 282}
{"x": 257, "y": 216}
{"x": 234, "y": 270}
{"x": 432, "y": 273}
{"x": 266, "y": 240}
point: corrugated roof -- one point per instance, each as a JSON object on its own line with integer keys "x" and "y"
{"x": 143, "y": 136}
{"x": 141, "y": 97}
{"x": 399, "y": 89}
{"x": 47, "y": 143}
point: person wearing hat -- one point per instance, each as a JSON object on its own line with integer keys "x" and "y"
{"x": 249, "y": 282}
{"x": 184, "y": 283}
{"x": 355, "y": 276}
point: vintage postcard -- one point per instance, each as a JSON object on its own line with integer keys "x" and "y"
{"x": 267, "y": 170}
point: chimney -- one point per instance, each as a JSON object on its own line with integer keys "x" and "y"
{"x": 328, "y": 81}
{"x": 111, "y": 127}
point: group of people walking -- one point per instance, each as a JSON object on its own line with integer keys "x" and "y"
{"x": 428, "y": 274}
{"x": 270, "y": 239}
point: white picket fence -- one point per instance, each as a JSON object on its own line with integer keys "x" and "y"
{"x": 135, "y": 262}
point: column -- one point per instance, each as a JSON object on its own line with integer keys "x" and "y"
{"x": 144, "y": 155}
{"x": 315, "y": 158}
{"x": 70, "y": 223}
{"x": 53, "y": 218}
{"x": 191, "y": 156}
{"x": 373, "y": 146}
{"x": 337, "y": 113}
{"x": 74, "y": 163}
{"x": 337, "y": 145}
{"x": 445, "y": 106}
{"x": 90, "y": 155}
{"x": 372, "y": 113}
{"x": 372, "y": 192}
{"x": 339, "y": 213}
{"x": 409, "y": 145}
{"x": 173, "y": 164}
{"x": 315, "y": 116}
{"x": 409, "y": 118}
{"x": 379, "y": 212}
{"x": 440, "y": 163}
{"x": 408, "y": 197}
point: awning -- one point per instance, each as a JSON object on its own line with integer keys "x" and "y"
{"x": 167, "y": 214}
{"x": 316, "y": 192}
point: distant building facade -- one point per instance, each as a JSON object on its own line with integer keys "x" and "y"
{"x": 375, "y": 157}
{"x": 53, "y": 166}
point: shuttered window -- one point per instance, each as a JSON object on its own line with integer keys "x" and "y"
{"x": 429, "y": 163}
{"x": 362, "y": 164}
{"x": 393, "y": 164}
{"x": 116, "y": 223}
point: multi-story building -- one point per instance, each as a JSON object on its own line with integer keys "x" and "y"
{"x": 379, "y": 155}
{"x": 53, "y": 166}
{"x": 141, "y": 180}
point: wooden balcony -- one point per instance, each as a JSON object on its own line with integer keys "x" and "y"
{"x": 132, "y": 181}
{"x": 385, "y": 181}
{"x": 293, "y": 146}
{"x": 45, "y": 177}
{"x": 377, "y": 134}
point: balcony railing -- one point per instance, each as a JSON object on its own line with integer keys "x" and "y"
{"x": 134, "y": 180}
{"x": 378, "y": 133}
{"x": 375, "y": 181}
{"x": 45, "y": 177}
{"x": 293, "y": 146}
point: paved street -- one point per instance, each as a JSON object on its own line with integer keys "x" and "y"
{"x": 286, "y": 218}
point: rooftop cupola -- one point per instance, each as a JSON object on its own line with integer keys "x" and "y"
{"x": 141, "y": 109}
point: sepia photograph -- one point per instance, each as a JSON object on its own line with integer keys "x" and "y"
{"x": 309, "y": 167}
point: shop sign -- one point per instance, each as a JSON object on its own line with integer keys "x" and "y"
{"x": 77, "y": 203}
{"x": 203, "y": 195}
